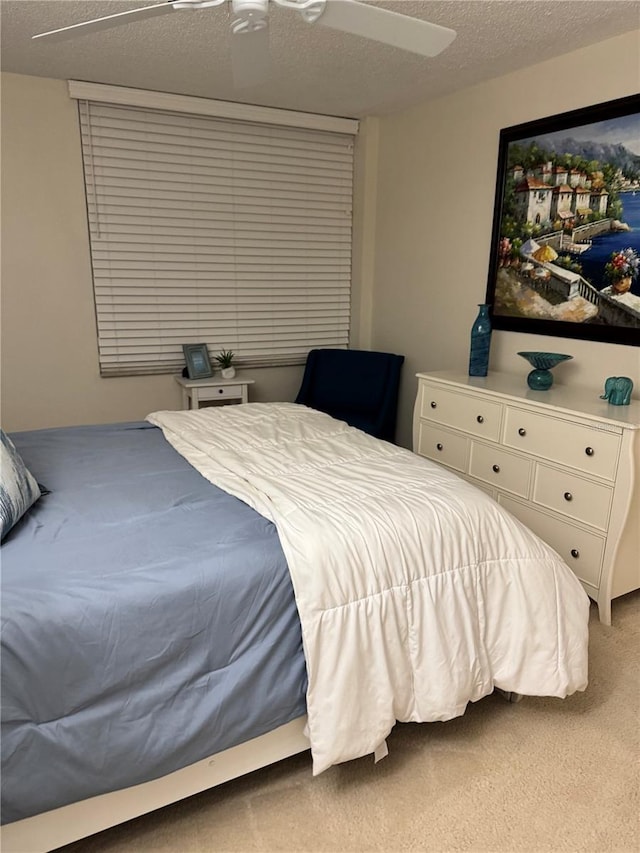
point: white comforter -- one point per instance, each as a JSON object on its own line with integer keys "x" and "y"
{"x": 416, "y": 592}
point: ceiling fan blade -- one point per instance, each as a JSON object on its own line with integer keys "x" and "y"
{"x": 392, "y": 28}
{"x": 98, "y": 24}
{"x": 250, "y": 58}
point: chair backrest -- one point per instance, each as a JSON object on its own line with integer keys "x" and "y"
{"x": 356, "y": 386}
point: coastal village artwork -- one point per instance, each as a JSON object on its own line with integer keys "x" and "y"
{"x": 565, "y": 255}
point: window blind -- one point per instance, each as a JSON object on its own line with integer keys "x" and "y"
{"x": 208, "y": 230}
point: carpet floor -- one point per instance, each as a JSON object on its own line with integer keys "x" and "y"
{"x": 541, "y": 775}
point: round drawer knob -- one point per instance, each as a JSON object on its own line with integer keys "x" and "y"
{"x": 480, "y": 419}
{"x": 433, "y": 404}
{"x": 589, "y": 451}
{"x": 220, "y": 390}
{"x": 522, "y": 431}
{"x": 439, "y": 446}
{"x": 568, "y": 496}
{"x": 496, "y": 468}
{"x": 575, "y": 553}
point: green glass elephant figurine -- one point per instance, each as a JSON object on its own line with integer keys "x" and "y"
{"x": 617, "y": 390}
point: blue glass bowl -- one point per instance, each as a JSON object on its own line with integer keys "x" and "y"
{"x": 541, "y": 378}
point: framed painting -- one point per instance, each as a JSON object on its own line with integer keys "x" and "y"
{"x": 565, "y": 250}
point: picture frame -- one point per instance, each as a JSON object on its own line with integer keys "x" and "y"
{"x": 197, "y": 360}
{"x": 566, "y": 225}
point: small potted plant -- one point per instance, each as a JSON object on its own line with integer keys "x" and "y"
{"x": 225, "y": 360}
{"x": 621, "y": 269}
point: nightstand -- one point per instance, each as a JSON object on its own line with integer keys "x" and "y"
{"x": 196, "y": 391}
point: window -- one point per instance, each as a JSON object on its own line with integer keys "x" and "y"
{"x": 212, "y": 229}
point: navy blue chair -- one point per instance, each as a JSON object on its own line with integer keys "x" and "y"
{"x": 356, "y": 386}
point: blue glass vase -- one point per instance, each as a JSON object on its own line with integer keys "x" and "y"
{"x": 480, "y": 343}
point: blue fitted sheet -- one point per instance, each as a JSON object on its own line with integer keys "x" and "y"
{"x": 148, "y": 620}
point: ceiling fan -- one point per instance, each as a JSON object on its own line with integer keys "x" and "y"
{"x": 250, "y": 22}
{"x": 412, "y": 34}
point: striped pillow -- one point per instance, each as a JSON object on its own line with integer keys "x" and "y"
{"x": 18, "y": 489}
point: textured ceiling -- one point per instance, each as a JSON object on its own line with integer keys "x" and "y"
{"x": 312, "y": 68}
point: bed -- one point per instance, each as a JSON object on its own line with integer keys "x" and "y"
{"x": 197, "y": 595}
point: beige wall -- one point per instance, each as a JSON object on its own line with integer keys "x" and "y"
{"x": 423, "y": 211}
{"x": 49, "y": 363}
{"x": 436, "y": 185}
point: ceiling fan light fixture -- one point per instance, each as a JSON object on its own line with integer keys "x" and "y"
{"x": 250, "y": 15}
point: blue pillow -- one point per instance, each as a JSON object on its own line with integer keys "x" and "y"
{"x": 18, "y": 489}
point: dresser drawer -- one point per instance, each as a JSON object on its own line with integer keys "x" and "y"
{"x": 573, "y": 496}
{"x": 590, "y": 450}
{"x": 442, "y": 446}
{"x": 500, "y": 468}
{"x": 581, "y": 551}
{"x": 461, "y": 411}
{"x": 220, "y": 392}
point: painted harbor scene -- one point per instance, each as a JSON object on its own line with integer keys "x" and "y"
{"x": 569, "y": 245}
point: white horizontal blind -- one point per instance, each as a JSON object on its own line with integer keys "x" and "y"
{"x": 202, "y": 229}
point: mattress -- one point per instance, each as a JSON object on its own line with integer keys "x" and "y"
{"x": 148, "y": 620}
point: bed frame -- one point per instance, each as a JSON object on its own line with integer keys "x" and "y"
{"x": 46, "y": 831}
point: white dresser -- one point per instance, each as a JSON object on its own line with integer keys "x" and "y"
{"x": 562, "y": 461}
